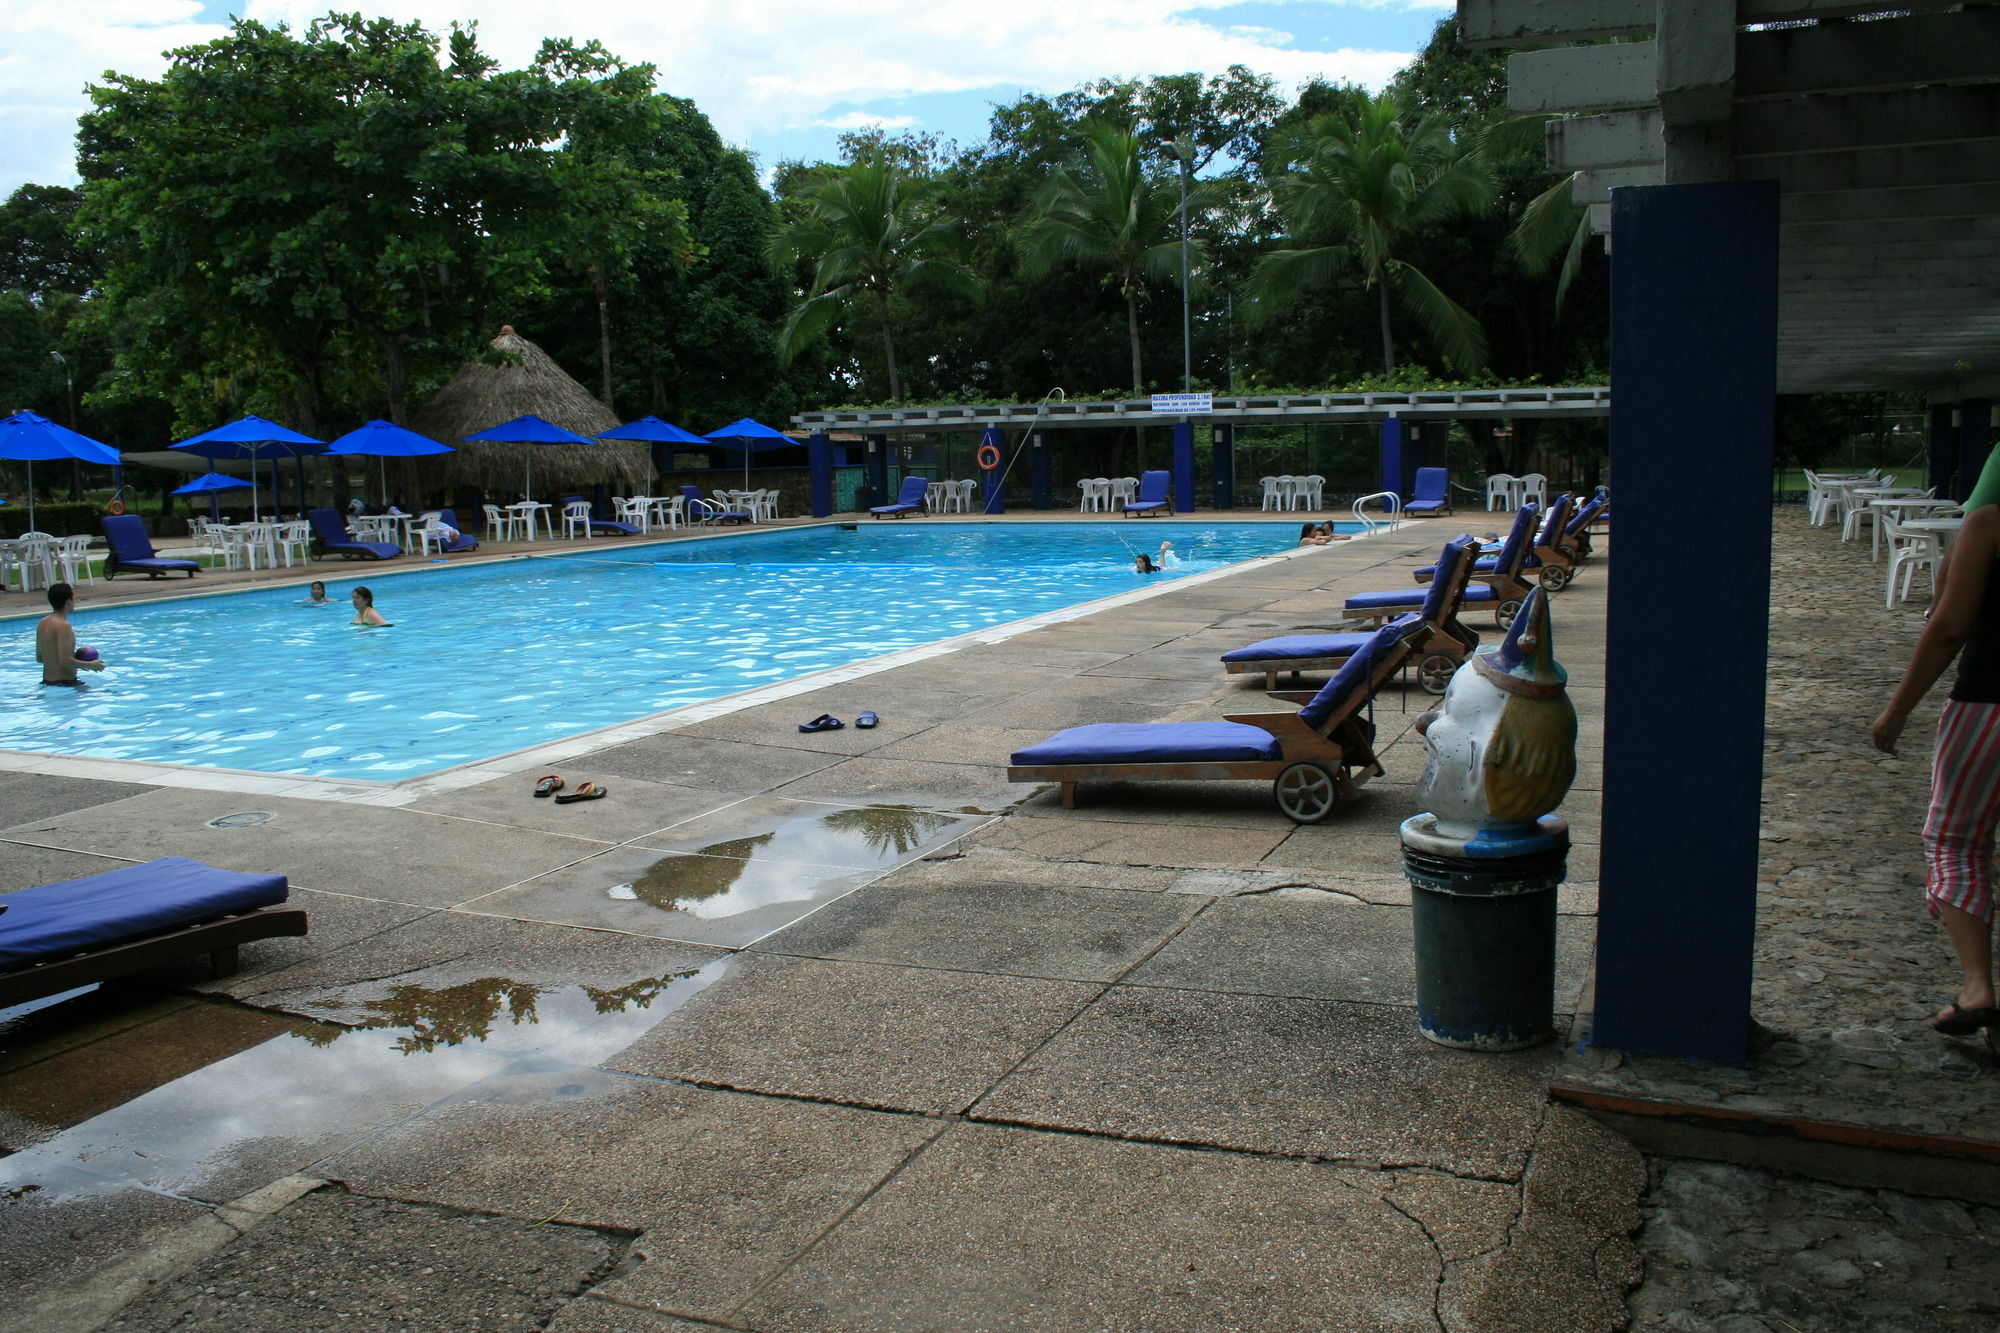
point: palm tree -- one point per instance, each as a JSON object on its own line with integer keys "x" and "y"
{"x": 869, "y": 231}
{"x": 1109, "y": 214}
{"x": 1552, "y": 225}
{"x": 1360, "y": 186}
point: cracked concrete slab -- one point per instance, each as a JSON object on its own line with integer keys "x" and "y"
{"x": 589, "y": 1314}
{"x": 631, "y": 806}
{"x": 965, "y": 787}
{"x": 1074, "y": 934}
{"x": 23, "y": 866}
{"x": 725, "y": 1187}
{"x": 1317, "y": 1078}
{"x": 26, "y": 798}
{"x": 975, "y": 866}
{"x": 914, "y": 1039}
{"x": 736, "y": 767}
{"x": 993, "y": 1229}
{"x": 1117, "y": 842}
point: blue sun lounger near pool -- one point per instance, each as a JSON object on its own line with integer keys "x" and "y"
{"x": 1310, "y": 757}
{"x": 335, "y": 539}
{"x": 1442, "y": 644}
{"x": 1153, "y": 488}
{"x": 1502, "y": 592}
{"x": 910, "y": 500}
{"x": 1433, "y": 493}
{"x": 61, "y": 936}
{"x": 132, "y": 549}
{"x": 601, "y": 524}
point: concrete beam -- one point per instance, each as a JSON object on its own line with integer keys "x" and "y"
{"x": 1867, "y": 120}
{"x": 1595, "y": 187}
{"x": 1483, "y": 23}
{"x": 1910, "y": 52}
{"x": 1697, "y": 77}
{"x": 1583, "y": 78}
{"x": 1932, "y": 202}
{"x": 1618, "y": 139}
{"x": 1976, "y": 163}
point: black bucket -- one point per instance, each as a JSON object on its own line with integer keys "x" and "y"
{"x": 1486, "y": 947}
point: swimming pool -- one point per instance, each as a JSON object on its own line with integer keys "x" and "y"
{"x": 485, "y": 659}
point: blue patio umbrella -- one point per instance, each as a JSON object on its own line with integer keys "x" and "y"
{"x": 30, "y": 437}
{"x": 751, "y": 436}
{"x": 384, "y": 440}
{"x": 253, "y": 437}
{"x": 208, "y": 483}
{"x": 527, "y": 429}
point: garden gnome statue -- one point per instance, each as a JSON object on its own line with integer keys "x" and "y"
{"x": 1486, "y": 856}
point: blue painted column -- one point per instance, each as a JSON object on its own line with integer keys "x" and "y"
{"x": 819, "y": 460}
{"x": 1395, "y": 465}
{"x": 1222, "y": 465}
{"x": 1184, "y": 467}
{"x": 990, "y": 487}
{"x": 1975, "y": 441}
{"x": 1694, "y": 318}
{"x": 1041, "y": 465}
{"x": 1944, "y": 452}
{"x": 877, "y": 468}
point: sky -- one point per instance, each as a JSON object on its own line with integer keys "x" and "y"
{"x": 779, "y": 78}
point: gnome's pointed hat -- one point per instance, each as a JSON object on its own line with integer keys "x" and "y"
{"x": 1525, "y": 662}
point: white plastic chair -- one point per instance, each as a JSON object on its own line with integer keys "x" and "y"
{"x": 1124, "y": 491}
{"x": 33, "y": 561}
{"x": 1534, "y": 486}
{"x": 1274, "y": 497}
{"x": 294, "y": 538}
{"x": 502, "y": 525}
{"x": 1308, "y": 489}
{"x": 576, "y": 519}
{"x": 636, "y": 510}
{"x": 966, "y": 490}
{"x": 1499, "y": 490}
{"x": 1908, "y": 552}
{"x": 666, "y": 511}
{"x": 73, "y": 555}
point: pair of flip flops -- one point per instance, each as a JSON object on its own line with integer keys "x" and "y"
{"x": 828, "y": 722}
{"x": 551, "y": 785}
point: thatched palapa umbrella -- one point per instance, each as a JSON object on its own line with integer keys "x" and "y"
{"x": 527, "y": 381}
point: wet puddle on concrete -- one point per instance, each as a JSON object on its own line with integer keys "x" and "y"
{"x": 207, "y": 1100}
{"x": 732, "y": 877}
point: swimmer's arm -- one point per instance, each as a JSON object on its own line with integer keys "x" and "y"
{"x": 65, "y": 646}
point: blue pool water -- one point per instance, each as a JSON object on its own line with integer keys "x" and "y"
{"x": 482, "y": 660}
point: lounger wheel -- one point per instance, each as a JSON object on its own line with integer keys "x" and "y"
{"x": 1506, "y": 611}
{"x": 1434, "y": 673}
{"x": 1555, "y": 577}
{"x": 1306, "y": 792}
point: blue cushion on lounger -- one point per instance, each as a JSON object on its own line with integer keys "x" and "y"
{"x": 131, "y": 548}
{"x": 1153, "y": 487}
{"x": 1410, "y": 597}
{"x": 1152, "y": 743}
{"x": 1301, "y": 645}
{"x": 335, "y": 539}
{"x": 1355, "y": 672}
{"x": 56, "y": 920}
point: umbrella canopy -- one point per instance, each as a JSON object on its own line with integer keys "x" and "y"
{"x": 211, "y": 482}
{"x": 253, "y": 437}
{"x": 527, "y": 429}
{"x": 752, "y": 437}
{"x": 385, "y": 440}
{"x": 653, "y": 431}
{"x": 30, "y": 437}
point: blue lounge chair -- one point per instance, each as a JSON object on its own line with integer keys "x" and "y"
{"x": 1545, "y": 553}
{"x": 1440, "y": 646}
{"x": 1433, "y": 493}
{"x": 1310, "y": 757}
{"x": 131, "y": 548}
{"x": 1502, "y": 589}
{"x": 60, "y": 936}
{"x": 708, "y": 511}
{"x": 1592, "y": 513}
{"x": 330, "y": 530}
{"x": 602, "y": 524}
{"x": 910, "y": 500}
{"x": 466, "y": 541}
{"x": 1153, "y": 488}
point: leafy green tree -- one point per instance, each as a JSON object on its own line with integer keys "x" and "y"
{"x": 1107, "y": 213}
{"x": 41, "y": 252}
{"x": 869, "y": 231}
{"x": 1353, "y": 193}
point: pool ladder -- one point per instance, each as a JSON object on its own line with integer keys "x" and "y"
{"x": 1392, "y": 503}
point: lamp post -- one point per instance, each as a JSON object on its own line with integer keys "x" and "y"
{"x": 1183, "y": 151}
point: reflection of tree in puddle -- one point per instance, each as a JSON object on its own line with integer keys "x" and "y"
{"x": 888, "y": 829}
{"x": 468, "y": 1012}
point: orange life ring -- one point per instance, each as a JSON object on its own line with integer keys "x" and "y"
{"x": 115, "y": 507}
{"x": 989, "y": 457}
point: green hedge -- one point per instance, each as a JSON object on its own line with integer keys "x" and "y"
{"x": 58, "y": 518}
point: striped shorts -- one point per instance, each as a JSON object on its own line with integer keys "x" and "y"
{"x": 1965, "y": 809}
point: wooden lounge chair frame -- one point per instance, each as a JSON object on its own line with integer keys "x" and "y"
{"x": 1318, "y": 770}
{"x": 1510, "y": 588}
{"x": 1441, "y": 646}
{"x": 218, "y": 939}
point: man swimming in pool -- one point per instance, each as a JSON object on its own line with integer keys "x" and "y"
{"x": 55, "y": 641}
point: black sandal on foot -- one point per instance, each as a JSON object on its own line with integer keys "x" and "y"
{"x": 1960, "y": 1022}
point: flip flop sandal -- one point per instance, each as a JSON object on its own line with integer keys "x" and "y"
{"x": 866, "y": 720}
{"x": 1959, "y": 1021}
{"x": 824, "y": 722}
{"x": 548, "y": 786}
{"x": 589, "y": 791}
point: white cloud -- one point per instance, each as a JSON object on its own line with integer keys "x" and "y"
{"x": 866, "y": 120}
{"x": 756, "y": 67}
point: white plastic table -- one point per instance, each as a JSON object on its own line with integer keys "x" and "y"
{"x": 1896, "y": 506}
{"x": 1945, "y": 528}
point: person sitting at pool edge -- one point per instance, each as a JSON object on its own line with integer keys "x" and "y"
{"x": 1327, "y": 534}
{"x": 364, "y": 609}
{"x": 55, "y": 641}
{"x": 1309, "y": 535}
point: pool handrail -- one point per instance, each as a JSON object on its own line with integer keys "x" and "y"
{"x": 1392, "y": 504}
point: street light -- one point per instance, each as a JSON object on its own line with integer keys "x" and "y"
{"x": 1183, "y": 151}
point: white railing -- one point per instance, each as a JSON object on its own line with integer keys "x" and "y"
{"x": 1392, "y": 503}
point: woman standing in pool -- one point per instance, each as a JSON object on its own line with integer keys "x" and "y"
{"x": 364, "y": 609}
{"x": 316, "y": 595}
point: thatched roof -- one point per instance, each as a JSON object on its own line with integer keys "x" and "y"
{"x": 527, "y": 380}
